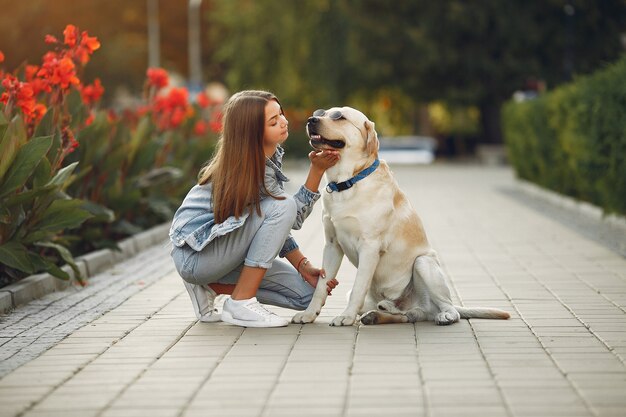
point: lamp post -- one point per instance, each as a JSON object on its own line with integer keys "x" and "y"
{"x": 195, "y": 50}
{"x": 154, "y": 42}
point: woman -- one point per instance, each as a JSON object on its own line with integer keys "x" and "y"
{"x": 236, "y": 220}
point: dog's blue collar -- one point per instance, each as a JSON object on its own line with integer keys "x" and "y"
{"x": 344, "y": 185}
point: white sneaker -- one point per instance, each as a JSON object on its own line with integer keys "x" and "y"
{"x": 202, "y": 299}
{"x": 250, "y": 313}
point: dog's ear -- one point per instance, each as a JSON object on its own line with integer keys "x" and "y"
{"x": 371, "y": 144}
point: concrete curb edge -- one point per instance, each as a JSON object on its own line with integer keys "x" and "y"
{"x": 36, "y": 286}
{"x": 571, "y": 204}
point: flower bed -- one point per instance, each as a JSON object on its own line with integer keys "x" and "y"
{"x": 75, "y": 177}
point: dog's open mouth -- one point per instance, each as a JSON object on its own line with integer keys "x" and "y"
{"x": 317, "y": 141}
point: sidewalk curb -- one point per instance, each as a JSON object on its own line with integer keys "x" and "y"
{"x": 570, "y": 204}
{"x": 91, "y": 264}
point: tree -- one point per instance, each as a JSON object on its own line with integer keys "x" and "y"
{"x": 294, "y": 48}
{"x": 457, "y": 51}
{"x": 480, "y": 52}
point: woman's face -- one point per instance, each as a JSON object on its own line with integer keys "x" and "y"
{"x": 276, "y": 124}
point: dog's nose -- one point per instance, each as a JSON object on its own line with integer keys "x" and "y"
{"x": 313, "y": 120}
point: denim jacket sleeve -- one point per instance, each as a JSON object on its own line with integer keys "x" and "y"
{"x": 274, "y": 180}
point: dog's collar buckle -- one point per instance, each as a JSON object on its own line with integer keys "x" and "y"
{"x": 344, "y": 185}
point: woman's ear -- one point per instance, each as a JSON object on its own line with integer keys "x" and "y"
{"x": 371, "y": 145}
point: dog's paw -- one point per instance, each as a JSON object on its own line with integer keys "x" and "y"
{"x": 343, "y": 321}
{"x": 447, "y": 317}
{"x": 371, "y": 317}
{"x": 305, "y": 317}
{"x": 416, "y": 314}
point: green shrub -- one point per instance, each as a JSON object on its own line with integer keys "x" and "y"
{"x": 66, "y": 165}
{"x": 573, "y": 139}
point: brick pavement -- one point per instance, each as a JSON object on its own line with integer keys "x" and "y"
{"x": 128, "y": 344}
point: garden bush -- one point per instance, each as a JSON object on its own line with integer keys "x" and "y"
{"x": 573, "y": 139}
{"x": 75, "y": 177}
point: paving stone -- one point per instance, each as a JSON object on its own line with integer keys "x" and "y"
{"x": 128, "y": 344}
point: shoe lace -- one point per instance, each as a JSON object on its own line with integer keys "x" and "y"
{"x": 258, "y": 308}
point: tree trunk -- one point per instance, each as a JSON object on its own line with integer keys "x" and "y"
{"x": 490, "y": 122}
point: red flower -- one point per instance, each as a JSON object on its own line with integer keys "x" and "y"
{"x": 92, "y": 93}
{"x": 80, "y": 46}
{"x": 38, "y": 111}
{"x": 1, "y": 57}
{"x": 216, "y": 122}
{"x": 200, "y": 128}
{"x": 203, "y": 100}
{"x": 90, "y": 119}
{"x": 39, "y": 84}
{"x": 88, "y": 44}
{"x": 171, "y": 110}
{"x": 216, "y": 126}
{"x": 157, "y": 77}
{"x": 58, "y": 70}
{"x": 71, "y": 35}
{"x": 21, "y": 94}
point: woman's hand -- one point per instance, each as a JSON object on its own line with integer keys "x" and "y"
{"x": 312, "y": 274}
{"x": 322, "y": 160}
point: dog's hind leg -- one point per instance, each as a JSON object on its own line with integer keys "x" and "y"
{"x": 382, "y": 317}
{"x": 427, "y": 272}
{"x": 384, "y": 312}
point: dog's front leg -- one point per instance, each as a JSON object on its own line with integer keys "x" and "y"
{"x": 369, "y": 255}
{"x": 333, "y": 255}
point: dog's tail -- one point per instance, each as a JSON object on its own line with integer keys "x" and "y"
{"x": 482, "y": 313}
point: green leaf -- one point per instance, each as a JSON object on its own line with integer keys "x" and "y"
{"x": 4, "y": 123}
{"x": 139, "y": 136}
{"x": 65, "y": 255}
{"x": 42, "y": 173}
{"x": 63, "y": 214}
{"x": 13, "y": 137}
{"x": 15, "y": 255}
{"x": 5, "y": 215}
{"x": 45, "y": 127}
{"x": 100, "y": 212}
{"x": 37, "y": 236}
{"x": 25, "y": 162}
{"x": 76, "y": 107}
{"x": 54, "y": 152}
{"x": 55, "y": 271}
{"x": 27, "y": 196}
{"x": 62, "y": 175}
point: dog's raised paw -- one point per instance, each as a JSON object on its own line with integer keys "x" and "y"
{"x": 304, "y": 317}
{"x": 342, "y": 321}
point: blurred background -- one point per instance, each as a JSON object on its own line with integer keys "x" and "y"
{"x": 91, "y": 154}
{"x": 440, "y": 69}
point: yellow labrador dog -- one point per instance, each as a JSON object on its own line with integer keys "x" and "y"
{"x": 368, "y": 219}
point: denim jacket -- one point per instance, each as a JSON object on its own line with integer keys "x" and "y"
{"x": 194, "y": 221}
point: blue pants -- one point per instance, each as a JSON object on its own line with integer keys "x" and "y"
{"x": 256, "y": 244}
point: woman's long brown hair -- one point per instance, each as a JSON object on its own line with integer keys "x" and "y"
{"x": 237, "y": 169}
